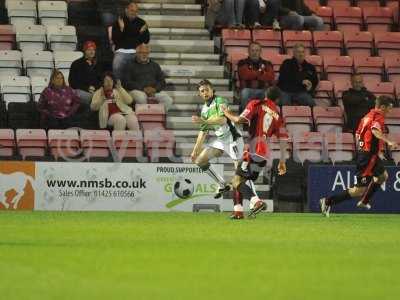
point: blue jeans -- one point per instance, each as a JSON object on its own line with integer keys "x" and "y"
{"x": 119, "y": 63}
{"x": 301, "y": 98}
{"x": 108, "y": 18}
{"x": 298, "y": 22}
{"x": 246, "y": 94}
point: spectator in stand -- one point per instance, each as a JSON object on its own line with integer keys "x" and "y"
{"x": 296, "y": 15}
{"x": 297, "y": 79}
{"x": 114, "y": 105}
{"x": 145, "y": 79}
{"x": 255, "y": 75}
{"x": 85, "y": 74}
{"x": 269, "y": 13}
{"x": 357, "y": 102}
{"x": 128, "y": 32}
{"x": 58, "y": 104}
{"x": 233, "y": 13}
{"x": 108, "y": 11}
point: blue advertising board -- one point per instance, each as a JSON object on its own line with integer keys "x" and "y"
{"x": 325, "y": 180}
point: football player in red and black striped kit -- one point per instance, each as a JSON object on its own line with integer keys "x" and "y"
{"x": 371, "y": 173}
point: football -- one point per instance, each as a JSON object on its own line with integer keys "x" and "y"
{"x": 183, "y": 188}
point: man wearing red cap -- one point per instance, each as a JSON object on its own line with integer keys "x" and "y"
{"x": 85, "y": 73}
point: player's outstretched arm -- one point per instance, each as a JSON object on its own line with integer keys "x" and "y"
{"x": 381, "y": 136}
{"x": 233, "y": 117}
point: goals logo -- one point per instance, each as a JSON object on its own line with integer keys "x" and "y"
{"x": 17, "y": 181}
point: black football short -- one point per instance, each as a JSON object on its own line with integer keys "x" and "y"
{"x": 253, "y": 169}
{"x": 368, "y": 166}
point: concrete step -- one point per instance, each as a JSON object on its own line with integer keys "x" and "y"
{"x": 183, "y": 84}
{"x": 179, "y": 34}
{"x": 192, "y": 97}
{"x": 185, "y": 59}
{"x": 182, "y": 46}
{"x": 181, "y": 123}
{"x": 194, "y": 108}
{"x": 174, "y": 21}
{"x": 179, "y": 71}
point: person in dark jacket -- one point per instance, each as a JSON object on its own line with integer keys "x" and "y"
{"x": 296, "y": 15}
{"x": 85, "y": 73}
{"x": 255, "y": 75}
{"x": 145, "y": 79}
{"x": 128, "y": 32}
{"x": 297, "y": 79}
{"x": 357, "y": 102}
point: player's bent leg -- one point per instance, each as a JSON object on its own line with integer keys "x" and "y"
{"x": 371, "y": 189}
{"x": 327, "y": 203}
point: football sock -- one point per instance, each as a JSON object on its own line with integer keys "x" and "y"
{"x": 208, "y": 169}
{"x": 246, "y": 191}
{"x": 370, "y": 191}
{"x": 335, "y": 199}
{"x": 237, "y": 201}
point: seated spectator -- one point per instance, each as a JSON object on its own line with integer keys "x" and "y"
{"x": 114, "y": 105}
{"x": 297, "y": 79}
{"x": 58, "y": 104}
{"x": 357, "y": 102}
{"x": 85, "y": 74}
{"x": 255, "y": 75}
{"x": 128, "y": 32}
{"x": 231, "y": 13}
{"x": 296, "y": 15}
{"x": 145, "y": 79}
{"x": 269, "y": 13}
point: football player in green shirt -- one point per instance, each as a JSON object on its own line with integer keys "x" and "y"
{"x": 228, "y": 138}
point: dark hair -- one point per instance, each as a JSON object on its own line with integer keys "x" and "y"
{"x": 384, "y": 101}
{"x": 273, "y": 93}
{"x": 54, "y": 75}
{"x": 204, "y": 82}
{"x": 108, "y": 74}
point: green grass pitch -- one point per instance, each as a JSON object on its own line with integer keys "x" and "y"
{"x": 151, "y": 256}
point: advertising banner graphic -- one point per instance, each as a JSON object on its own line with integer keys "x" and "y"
{"x": 324, "y": 180}
{"x": 122, "y": 186}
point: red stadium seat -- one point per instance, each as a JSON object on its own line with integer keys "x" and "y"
{"x": 378, "y": 18}
{"x": 290, "y": 38}
{"x": 129, "y": 144}
{"x": 277, "y": 60}
{"x": 308, "y": 146}
{"x": 317, "y": 62}
{"x": 381, "y": 88}
{"x": 348, "y": 18}
{"x": 312, "y": 4}
{"x": 154, "y": 113}
{"x": 387, "y": 43}
{"x": 270, "y": 40}
{"x": 340, "y": 3}
{"x": 338, "y": 68}
{"x": 7, "y": 37}
{"x": 328, "y": 43}
{"x": 328, "y": 119}
{"x": 297, "y": 118}
{"x": 340, "y": 146}
{"x": 326, "y": 13}
{"x": 395, "y": 152}
{"x": 95, "y": 143}
{"x": 339, "y": 87}
{"x": 368, "y": 3}
{"x": 159, "y": 144}
{"x": 371, "y": 67}
{"x": 31, "y": 142}
{"x": 359, "y": 43}
{"x": 392, "y": 120}
{"x": 392, "y": 68}
{"x": 7, "y": 142}
{"x": 395, "y": 5}
{"x": 324, "y": 96}
{"x": 64, "y": 143}
{"x": 234, "y": 57}
{"x": 235, "y": 39}
{"x": 275, "y": 150}
{"x": 397, "y": 88}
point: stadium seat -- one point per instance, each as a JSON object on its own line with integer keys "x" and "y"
{"x": 7, "y": 143}
{"x": 290, "y": 38}
{"x": 324, "y": 95}
{"x": 31, "y": 37}
{"x": 61, "y": 37}
{"x": 340, "y": 146}
{"x": 372, "y": 68}
{"x": 381, "y": 88}
{"x": 328, "y": 43}
{"x": 359, "y": 43}
{"x": 7, "y": 37}
{"x": 275, "y": 150}
{"x": 308, "y": 146}
{"x": 64, "y": 59}
{"x": 64, "y": 144}
{"x": 339, "y": 87}
{"x": 128, "y": 144}
{"x": 368, "y": 3}
{"x": 392, "y": 68}
{"x": 38, "y": 84}
{"x": 154, "y": 113}
{"x": 53, "y": 12}
{"x": 378, "y": 18}
{"x": 95, "y": 143}
{"x": 347, "y": 18}
{"x": 22, "y": 12}
{"x": 338, "y": 68}
{"x": 397, "y": 88}
{"x": 297, "y": 118}
{"x": 392, "y": 120}
{"x": 387, "y": 43}
{"x": 312, "y": 4}
{"x": 336, "y": 3}
{"x": 270, "y": 40}
{"x": 235, "y": 39}
{"x": 317, "y": 62}
{"x": 326, "y": 13}
{"x": 38, "y": 63}
{"x": 159, "y": 144}
{"x": 395, "y": 5}
{"x": 15, "y": 89}
{"x": 328, "y": 119}
{"x": 23, "y": 115}
{"x": 277, "y": 61}
{"x": 31, "y": 142}
{"x": 10, "y": 63}
{"x": 234, "y": 58}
